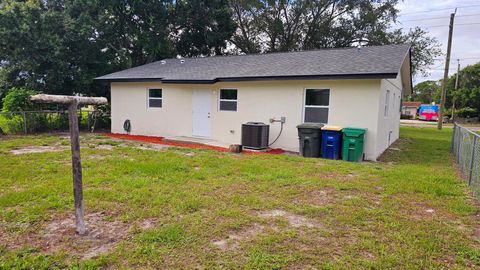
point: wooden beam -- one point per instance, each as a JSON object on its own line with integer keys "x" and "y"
{"x": 57, "y": 99}
{"x": 76, "y": 168}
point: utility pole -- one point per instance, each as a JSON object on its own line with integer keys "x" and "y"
{"x": 445, "y": 73}
{"x": 456, "y": 87}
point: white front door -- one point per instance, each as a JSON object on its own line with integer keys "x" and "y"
{"x": 202, "y": 104}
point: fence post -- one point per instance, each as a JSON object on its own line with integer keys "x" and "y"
{"x": 473, "y": 158}
{"x": 460, "y": 138}
{"x": 24, "y": 122}
{"x": 452, "y": 147}
{"x": 88, "y": 122}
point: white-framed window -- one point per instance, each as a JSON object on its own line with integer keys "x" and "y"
{"x": 387, "y": 101}
{"x": 393, "y": 101}
{"x": 228, "y": 100}
{"x": 155, "y": 99}
{"x": 400, "y": 102}
{"x": 317, "y": 105}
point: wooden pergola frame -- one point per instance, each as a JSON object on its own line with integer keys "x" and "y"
{"x": 73, "y": 102}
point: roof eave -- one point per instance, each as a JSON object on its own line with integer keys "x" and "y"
{"x": 256, "y": 78}
{"x": 101, "y": 79}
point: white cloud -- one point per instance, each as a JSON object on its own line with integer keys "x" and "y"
{"x": 435, "y": 16}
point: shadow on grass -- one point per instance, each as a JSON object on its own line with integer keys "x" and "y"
{"x": 420, "y": 146}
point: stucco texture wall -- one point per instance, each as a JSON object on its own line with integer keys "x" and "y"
{"x": 352, "y": 103}
{"x": 389, "y": 123}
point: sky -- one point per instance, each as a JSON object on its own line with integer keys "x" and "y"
{"x": 434, "y": 16}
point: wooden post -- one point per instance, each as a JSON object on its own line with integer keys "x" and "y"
{"x": 76, "y": 167}
{"x": 24, "y": 122}
{"x": 73, "y": 103}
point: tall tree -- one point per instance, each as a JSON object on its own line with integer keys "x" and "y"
{"x": 426, "y": 92}
{"x": 287, "y": 25}
{"x": 468, "y": 93}
{"x": 50, "y": 46}
{"x": 424, "y": 48}
{"x": 202, "y": 27}
{"x": 135, "y": 31}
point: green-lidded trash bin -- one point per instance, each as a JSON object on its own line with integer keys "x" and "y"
{"x": 353, "y": 143}
{"x": 309, "y": 138}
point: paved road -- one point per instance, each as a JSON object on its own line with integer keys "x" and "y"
{"x": 431, "y": 124}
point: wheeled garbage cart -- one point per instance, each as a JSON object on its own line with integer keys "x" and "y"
{"x": 309, "y": 138}
{"x": 331, "y": 142}
{"x": 353, "y": 139}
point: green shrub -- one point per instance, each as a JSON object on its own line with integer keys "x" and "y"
{"x": 11, "y": 124}
{"x": 467, "y": 112}
{"x": 406, "y": 116}
{"x": 18, "y": 99}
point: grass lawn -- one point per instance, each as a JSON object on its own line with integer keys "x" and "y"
{"x": 157, "y": 208}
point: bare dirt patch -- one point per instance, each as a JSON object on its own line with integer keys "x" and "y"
{"x": 153, "y": 146}
{"x": 233, "y": 240}
{"x": 317, "y": 197}
{"x": 476, "y": 233}
{"x": 95, "y": 156}
{"x": 293, "y": 219}
{"x": 59, "y": 235}
{"x": 3, "y": 235}
{"x": 334, "y": 175}
{"x": 148, "y": 223}
{"x": 38, "y": 149}
{"x": 423, "y": 211}
{"x": 104, "y": 146}
{"x": 101, "y": 235}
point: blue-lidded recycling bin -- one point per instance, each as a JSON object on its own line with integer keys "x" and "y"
{"x": 331, "y": 142}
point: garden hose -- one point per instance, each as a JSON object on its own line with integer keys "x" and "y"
{"x": 127, "y": 126}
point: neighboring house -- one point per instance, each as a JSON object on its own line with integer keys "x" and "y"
{"x": 411, "y": 108}
{"x": 212, "y": 96}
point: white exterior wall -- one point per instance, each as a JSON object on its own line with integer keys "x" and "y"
{"x": 352, "y": 103}
{"x": 389, "y": 126}
{"x": 129, "y": 101}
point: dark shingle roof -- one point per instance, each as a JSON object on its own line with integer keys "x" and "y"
{"x": 366, "y": 62}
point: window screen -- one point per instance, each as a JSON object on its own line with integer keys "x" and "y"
{"x": 228, "y": 100}
{"x": 317, "y": 97}
{"x": 154, "y": 98}
{"x": 317, "y": 102}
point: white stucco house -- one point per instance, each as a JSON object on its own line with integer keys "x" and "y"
{"x": 211, "y": 97}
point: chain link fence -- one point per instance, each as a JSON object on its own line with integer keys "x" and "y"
{"x": 466, "y": 150}
{"x": 29, "y": 122}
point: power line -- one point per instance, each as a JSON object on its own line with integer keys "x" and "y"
{"x": 461, "y": 58}
{"x": 437, "y": 9}
{"x": 437, "y": 18}
{"x": 443, "y": 25}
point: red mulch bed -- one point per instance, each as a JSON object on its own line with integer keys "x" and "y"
{"x": 161, "y": 140}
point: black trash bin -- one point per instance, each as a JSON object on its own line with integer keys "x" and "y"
{"x": 309, "y": 135}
